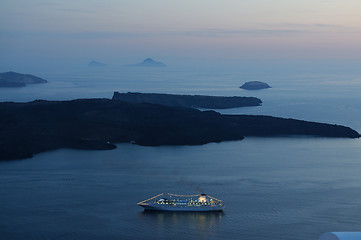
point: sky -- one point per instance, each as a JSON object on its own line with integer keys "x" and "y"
{"x": 44, "y": 30}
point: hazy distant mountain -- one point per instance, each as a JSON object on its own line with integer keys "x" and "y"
{"x": 13, "y": 79}
{"x": 254, "y": 85}
{"x": 148, "y": 63}
{"x": 96, "y": 64}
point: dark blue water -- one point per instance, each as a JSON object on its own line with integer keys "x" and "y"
{"x": 273, "y": 188}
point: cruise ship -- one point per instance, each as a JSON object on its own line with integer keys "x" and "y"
{"x": 182, "y": 203}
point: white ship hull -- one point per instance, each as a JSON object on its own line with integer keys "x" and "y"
{"x": 182, "y": 203}
{"x": 157, "y": 207}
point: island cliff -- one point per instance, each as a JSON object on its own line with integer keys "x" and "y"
{"x": 13, "y": 79}
{"x": 193, "y": 101}
{"x": 34, "y": 127}
{"x": 255, "y": 85}
{"x": 148, "y": 63}
{"x": 96, "y": 64}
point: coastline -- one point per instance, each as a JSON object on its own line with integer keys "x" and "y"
{"x": 30, "y": 128}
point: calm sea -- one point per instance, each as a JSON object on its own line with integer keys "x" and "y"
{"x": 273, "y": 188}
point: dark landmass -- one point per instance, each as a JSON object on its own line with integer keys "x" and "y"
{"x": 193, "y": 101}
{"x": 96, "y": 64}
{"x": 34, "y": 127}
{"x": 254, "y": 85}
{"x": 13, "y": 79}
{"x": 148, "y": 63}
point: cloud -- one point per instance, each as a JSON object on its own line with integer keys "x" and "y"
{"x": 308, "y": 26}
{"x": 198, "y": 33}
{"x": 71, "y": 34}
{"x": 274, "y": 30}
{"x": 59, "y": 6}
{"x": 238, "y": 32}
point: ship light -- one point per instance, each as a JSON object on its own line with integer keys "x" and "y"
{"x": 202, "y": 198}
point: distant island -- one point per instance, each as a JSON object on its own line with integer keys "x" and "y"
{"x": 38, "y": 126}
{"x": 148, "y": 63}
{"x": 255, "y": 85}
{"x": 13, "y": 79}
{"x": 193, "y": 101}
{"x": 96, "y": 64}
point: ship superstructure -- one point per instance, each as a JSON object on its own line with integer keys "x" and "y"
{"x": 184, "y": 203}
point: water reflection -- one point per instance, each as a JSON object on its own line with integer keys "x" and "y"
{"x": 204, "y": 221}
